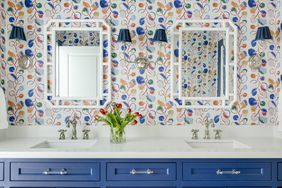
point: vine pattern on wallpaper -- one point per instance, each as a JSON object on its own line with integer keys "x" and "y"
{"x": 144, "y": 91}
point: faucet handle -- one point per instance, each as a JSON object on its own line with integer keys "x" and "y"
{"x": 195, "y": 134}
{"x": 62, "y": 134}
{"x": 217, "y": 135}
{"x": 85, "y": 134}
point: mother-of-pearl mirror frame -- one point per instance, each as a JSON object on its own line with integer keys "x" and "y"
{"x": 230, "y": 97}
{"x": 104, "y": 30}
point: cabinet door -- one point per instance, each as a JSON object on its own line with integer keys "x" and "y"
{"x": 1, "y": 171}
{"x": 21, "y": 171}
{"x": 280, "y": 171}
{"x": 139, "y": 171}
{"x": 227, "y": 171}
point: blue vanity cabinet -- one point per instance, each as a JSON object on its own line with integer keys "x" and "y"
{"x": 141, "y": 173}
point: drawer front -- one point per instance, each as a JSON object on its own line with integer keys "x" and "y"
{"x": 55, "y": 171}
{"x": 280, "y": 171}
{"x": 141, "y": 171}
{"x": 226, "y": 171}
{"x": 1, "y": 171}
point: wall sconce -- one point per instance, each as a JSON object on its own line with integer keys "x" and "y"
{"x": 18, "y": 34}
{"x": 160, "y": 37}
{"x": 263, "y": 34}
{"x": 142, "y": 62}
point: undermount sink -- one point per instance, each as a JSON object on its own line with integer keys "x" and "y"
{"x": 66, "y": 145}
{"x": 216, "y": 144}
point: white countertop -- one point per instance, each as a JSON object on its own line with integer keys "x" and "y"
{"x": 151, "y": 147}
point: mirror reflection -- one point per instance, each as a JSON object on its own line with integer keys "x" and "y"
{"x": 203, "y": 63}
{"x": 78, "y": 60}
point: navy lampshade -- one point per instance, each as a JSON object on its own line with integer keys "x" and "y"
{"x": 17, "y": 33}
{"x": 160, "y": 36}
{"x": 124, "y": 35}
{"x": 263, "y": 33}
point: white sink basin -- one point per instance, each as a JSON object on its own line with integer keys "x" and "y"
{"x": 66, "y": 145}
{"x": 216, "y": 144}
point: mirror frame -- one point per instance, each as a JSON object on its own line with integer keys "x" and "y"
{"x": 230, "y": 98}
{"x": 104, "y": 66}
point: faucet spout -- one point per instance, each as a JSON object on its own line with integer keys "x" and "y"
{"x": 73, "y": 122}
{"x": 208, "y": 123}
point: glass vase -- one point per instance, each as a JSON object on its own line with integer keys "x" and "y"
{"x": 117, "y": 135}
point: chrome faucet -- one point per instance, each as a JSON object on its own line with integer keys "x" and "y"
{"x": 73, "y": 122}
{"x": 208, "y": 123}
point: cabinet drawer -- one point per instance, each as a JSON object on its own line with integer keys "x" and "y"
{"x": 1, "y": 171}
{"x": 227, "y": 171}
{"x": 280, "y": 171}
{"x": 141, "y": 171}
{"x": 55, "y": 171}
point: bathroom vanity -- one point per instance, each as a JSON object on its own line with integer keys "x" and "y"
{"x": 141, "y": 162}
{"x": 201, "y": 173}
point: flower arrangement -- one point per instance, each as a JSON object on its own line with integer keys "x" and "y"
{"x": 117, "y": 119}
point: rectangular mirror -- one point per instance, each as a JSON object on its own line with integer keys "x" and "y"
{"x": 78, "y": 63}
{"x": 204, "y": 63}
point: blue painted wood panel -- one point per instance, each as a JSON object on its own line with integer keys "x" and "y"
{"x": 30, "y": 171}
{"x": 248, "y": 187}
{"x": 141, "y": 171}
{"x": 280, "y": 171}
{"x": 224, "y": 171}
{"x": 1, "y": 171}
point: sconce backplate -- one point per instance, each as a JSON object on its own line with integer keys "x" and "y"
{"x": 142, "y": 62}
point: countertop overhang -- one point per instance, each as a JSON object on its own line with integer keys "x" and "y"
{"x": 142, "y": 148}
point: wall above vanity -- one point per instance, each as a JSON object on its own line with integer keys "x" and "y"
{"x": 146, "y": 91}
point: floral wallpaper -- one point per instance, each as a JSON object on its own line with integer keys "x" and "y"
{"x": 146, "y": 91}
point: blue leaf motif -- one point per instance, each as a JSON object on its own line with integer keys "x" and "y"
{"x": 28, "y": 102}
{"x": 140, "y": 31}
{"x": 254, "y": 92}
{"x": 177, "y": 4}
{"x": 252, "y": 52}
{"x": 252, "y": 3}
{"x": 30, "y": 43}
{"x": 140, "y": 80}
{"x": 51, "y": 5}
{"x": 142, "y": 21}
{"x": 28, "y": 52}
{"x": 28, "y": 3}
{"x": 30, "y": 93}
{"x": 104, "y": 3}
{"x": 216, "y": 119}
{"x": 252, "y": 101}
{"x": 125, "y": 5}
